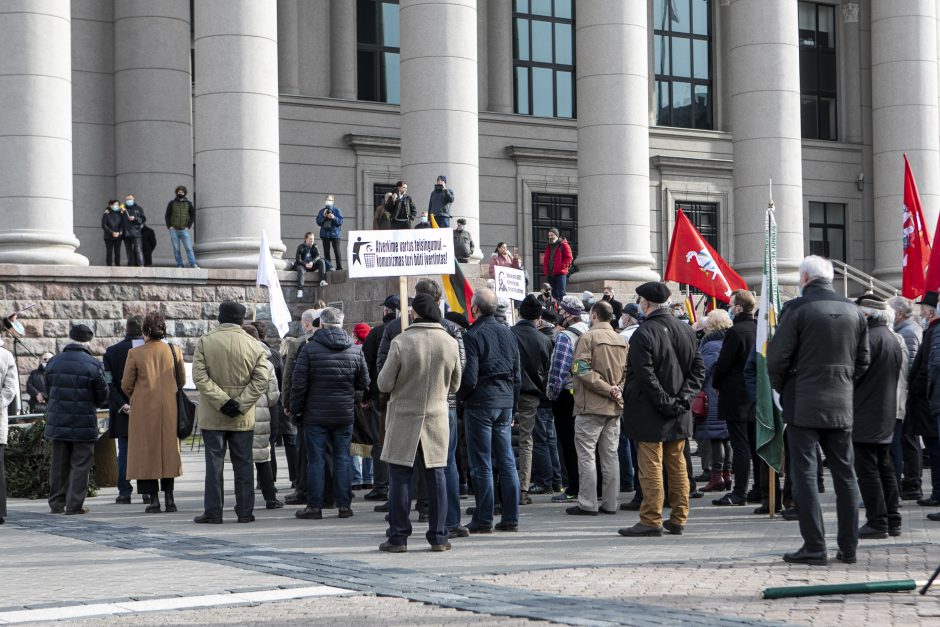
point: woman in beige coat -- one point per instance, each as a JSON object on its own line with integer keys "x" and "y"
{"x": 153, "y": 449}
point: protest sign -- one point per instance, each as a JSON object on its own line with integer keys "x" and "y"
{"x": 400, "y": 253}
{"x": 510, "y": 283}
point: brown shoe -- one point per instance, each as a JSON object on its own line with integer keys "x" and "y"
{"x": 388, "y": 547}
{"x": 77, "y": 512}
{"x": 345, "y": 512}
{"x": 437, "y": 548}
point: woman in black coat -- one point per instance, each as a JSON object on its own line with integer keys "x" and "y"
{"x": 113, "y": 223}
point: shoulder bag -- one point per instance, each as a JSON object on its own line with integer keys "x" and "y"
{"x": 185, "y": 408}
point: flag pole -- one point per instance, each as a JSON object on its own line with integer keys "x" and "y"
{"x": 771, "y": 474}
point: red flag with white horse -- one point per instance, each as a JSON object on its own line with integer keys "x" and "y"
{"x": 694, "y": 262}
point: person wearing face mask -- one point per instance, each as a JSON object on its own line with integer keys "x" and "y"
{"x": 423, "y": 222}
{"x": 463, "y": 241}
{"x": 546, "y": 299}
{"x": 134, "y": 221}
{"x": 180, "y": 217}
{"x": 112, "y": 223}
{"x": 36, "y": 386}
{"x": 820, "y": 349}
{"x": 330, "y": 221}
{"x": 440, "y": 202}
{"x": 556, "y": 261}
{"x": 615, "y": 304}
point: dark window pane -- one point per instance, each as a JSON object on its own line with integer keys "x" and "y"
{"x": 661, "y": 54}
{"x": 541, "y": 7}
{"x": 661, "y": 14}
{"x": 703, "y": 107}
{"x": 680, "y": 16}
{"x": 565, "y": 93}
{"x": 700, "y": 25}
{"x": 827, "y": 118}
{"x": 522, "y": 90}
{"x": 836, "y": 243}
{"x": 392, "y": 77}
{"x": 542, "y": 92}
{"x": 681, "y": 57}
{"x": 391, "y": 30}
{"x": 522, "y": 6}
{"x": 808, "y": 117}
{"x": 809, "y": 81}
{"x": 682, "y": 104}
{"x": 368, "y": 72}
{"x": 662, "y": 103}
{"x": 541, "y": 41}
{"x": 835, "y": 214}
{"x": 365, "y": 22}
{"x": 563, "y": 9}
{"x": 700, "y": 59}
{"x": 521, "y": 42}
{"x": 563, "y": 44}
{"x": 817, "y": 212}
{"x": 826, "y": 30}
{"x": 826, "y": 79}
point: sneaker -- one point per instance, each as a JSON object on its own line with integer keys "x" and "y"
{"x": 539, "y": 489}
{"x": 564, "y": 497}
{"x": 388, "y": 547}
{"x": 300, "y": 293}
{"x": 474, "y": 528}
{"x": 640, "y": 530}
{"x": 323, "y": 283}
{"x": 458, "y": 532}
{"x": 730, "y": 499}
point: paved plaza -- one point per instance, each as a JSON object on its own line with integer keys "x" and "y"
{"x": 118, "y": 565}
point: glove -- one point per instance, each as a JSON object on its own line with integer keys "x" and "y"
{"x": 231, "y": 408}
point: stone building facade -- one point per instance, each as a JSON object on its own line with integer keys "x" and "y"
{"x": 601, "y": 117}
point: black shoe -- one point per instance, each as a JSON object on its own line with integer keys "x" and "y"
{"x": 123, "y": 500}
{"x": 606, "y": 511}
{"x": 730, "y": 499}
{"x": 309, "y": 513}
{"x": 501, "y": 526}
{"x": 295, "y": 499}
{"x": 640, "y": 530}
{"x": 356, "y": 487}
{"x": 631, "y": 506}
{"x": 540, "y": 489}
{"x": 376, "y": 495}
{"x": 388, "y": 547}
{"x": 765, "y": 509}
{"x": 473, "y": 528}
{"x": 846, "y": 558}
{"x": 672, "y": 528}
{"x": 154, "y": 507}
{"x": 458, "y": 532}
{"x": 423, "y": 516}
{"x": 931, "y": 502}
{"x": 753, "y": 496}
{"x": 206, "y": 520}
{"x": 790, "y": 514}
{"x": 61, "y": 510}
{"x": 696, "y": 494}
{"x": 821, "y": 488}
{"x": 912, "y": 495}
{"x": 894, "y": 531}
{"x": 144, "y": 498}
{"x": 807, "y": 557}
{"x": 246, "y": 519}
{"x": 564, "y": 497}
{"x": 382, "y": 507}
{"x": 170, "y": 503}
{"x": 345, "y": 512}
{"x": 275, "y": 504}
{"x": 77, "y": 512}
{"x": 470, "y": 511}
{"x": 934, "y": 516}
{"x": 867, "y": 532}
{"x": 577, "y": 511}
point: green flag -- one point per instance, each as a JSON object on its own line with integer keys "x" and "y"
{"x": 769, "y": 427}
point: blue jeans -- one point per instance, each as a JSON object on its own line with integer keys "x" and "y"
{"x": 489, "y": 436}
{"x": 451, "y": 477}
{"x": 625, "y": 452}
{"x": 442, "y": 221}
{"x": 124, "y": 486}
{"x": 176, "y": 235}
{"x": 317, "y": 437}
{"x": 546, "y": 467}
{"x": 559, "y": 283}
{"x": 361, "y": 470}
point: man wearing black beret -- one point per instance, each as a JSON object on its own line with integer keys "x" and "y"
{"x": 664, "y": 372}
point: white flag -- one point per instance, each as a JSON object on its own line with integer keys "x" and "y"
{"x": 267, "y": 276}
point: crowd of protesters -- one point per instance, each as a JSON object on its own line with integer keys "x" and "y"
{"x": 606, "y": 399}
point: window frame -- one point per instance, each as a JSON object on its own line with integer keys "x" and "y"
{"x": 828, "y": 226}
{"x": 671, "y": 78}
{"x": 530, "y": 65}
{"x": 379, "y": 51}
{"x": 819, "y": 53}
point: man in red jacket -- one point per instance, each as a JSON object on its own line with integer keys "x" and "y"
{"x": 556, "y": 260}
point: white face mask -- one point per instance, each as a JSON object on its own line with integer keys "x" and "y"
{"x": 329, "y": 203}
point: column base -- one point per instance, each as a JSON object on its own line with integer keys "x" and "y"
{"x": 48, "y": 248}
{"x": 614, "y": 267}
{"x": 237, "y": 254}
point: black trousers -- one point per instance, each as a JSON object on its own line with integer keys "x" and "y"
{"x": 329, "y": 242}
{"x": 68, "y": 474}
{"x": 399, "y": 502}
{"x": 837, "y": 445}
{"x": 149, "y": 486}
{"x": 134, "y": 250}
{"x": 742, "y": 448}
{"x": 563, "y": 408}
{"x": 266, "y": 479}
{"x": 112, "y": 248}
{"x": 301, "y": 489}
{"x": 878, "y": 485}
{"x": 913, "y": 466}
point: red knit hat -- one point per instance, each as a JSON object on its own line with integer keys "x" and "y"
{"x": 361, "y": 330}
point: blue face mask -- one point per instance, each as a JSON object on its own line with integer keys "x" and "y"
{"x": 128, "y": 203}
{"x": 115, "y": 208}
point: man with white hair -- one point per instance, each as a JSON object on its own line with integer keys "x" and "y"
{"x": 905, "y": 450}
{"x": 819, "y": 350}
{"x": 875, "y": 412}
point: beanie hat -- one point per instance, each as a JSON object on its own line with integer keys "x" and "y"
{"x": 231, "y": 312}
{"x": 549, "y": 316}
{"x": 81, "y": 333}
{"x": 392, "y": 302}
{"x": 531, "y": 308}
{"x": 443, "y": 178}
{"x": 457, "y": 318}
{"x": 361, "y": 331}
{"x": 426, "y": 308}
{"x": 571, "y": 305}
{"x": 555, "y": 231}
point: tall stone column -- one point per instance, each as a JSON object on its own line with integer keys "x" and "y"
{"x": 36, "y": 133}
{"x": 288, "y": 46}
{"x": 613, "y": 142}
{"x": 499, "y": 55}
{"x": 765, "y": 109}
{"x": 237, "y": 142}
{"x": 439, "y": 115}
{"x": 852, "y": 132}
{"x": 904, "y": 119}
{"x": 153, "y": 132}
{"x": 343, "y": 50}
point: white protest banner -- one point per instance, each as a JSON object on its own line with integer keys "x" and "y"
{"x": 400, "y": 253}
{"x": 510, "y": 283}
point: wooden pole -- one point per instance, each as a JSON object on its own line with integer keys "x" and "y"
{"x": 403, "y": 297}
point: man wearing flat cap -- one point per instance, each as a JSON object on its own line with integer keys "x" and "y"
{"x": 875, "y": 411}
{"x": 664, "y": 372}
{"x": 77, "y": 387}
{"x": 230, "y": 369}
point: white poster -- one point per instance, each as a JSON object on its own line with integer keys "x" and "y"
{"x": 510, "y": 283}
{"x": 401, "y": 252}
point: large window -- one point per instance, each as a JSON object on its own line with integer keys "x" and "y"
{"x": 704, "y": 217}
{"x": 379, "y": 40}
{"x": 682, "y": 44}
{"x": 827, "y": 230}
{"x": 552, "y": 210}
{"x": 818, "y": 70}
{"x": 543, "y": 57}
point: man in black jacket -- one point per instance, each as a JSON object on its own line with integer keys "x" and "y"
{"x": 401, "y": 208}
{"x": 134, "y": 221}
{"x": 370, "y": 350}
{"x": 875, "y": 410}
{"x": 615, "y": 304}
{"x": 307, "y": 258}
{"x": 329, "y": 373}
{"x": 535, "y": 358}
{"x": 118, "y": 404}
{"x": 734, "y": 404}
{"x": 819, "y": 350}
{"x": 77, "y": 387}
{"x": 664, "y": 373}
{"x": 489, "y": 390}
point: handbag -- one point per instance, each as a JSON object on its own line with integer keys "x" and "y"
{"x": 185, "y": 408}
{"x": 700, "y": 405}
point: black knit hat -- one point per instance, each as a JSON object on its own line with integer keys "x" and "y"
{"x": 231, "y": 312}
{"x": 426, "y": 308}
{"x": 81, "y": 333}
{"x": 531, "y": 308}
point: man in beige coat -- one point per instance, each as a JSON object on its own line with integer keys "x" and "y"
{"x": 598, "y": 373}
{"x": 230, "y": 369}
{"x": 422, "y": 367}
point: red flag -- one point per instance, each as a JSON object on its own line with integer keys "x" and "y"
{"x": 916, "y": 243}
{"x": 694, "y": 262}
